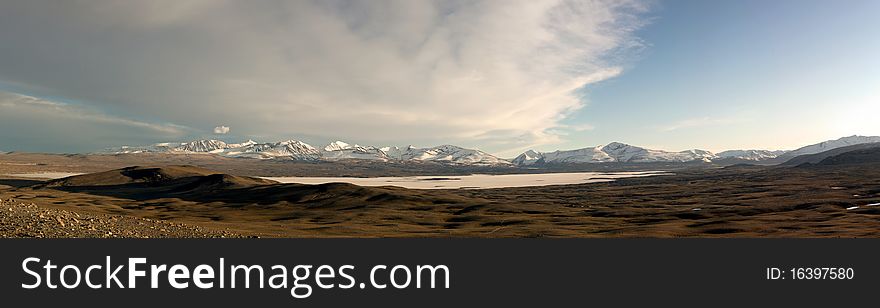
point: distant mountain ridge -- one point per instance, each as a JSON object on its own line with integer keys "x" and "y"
{"x": 751, "y": 155}
{"x": 625, "y": 153}
{"x": 337, "y": 150}
{"x": 615, "y": 152}
{"x": 863, "y": 155}
{"x": 612, "y": 152}
{"x": 817, "y": 158}
{"x": 832, "y": 144}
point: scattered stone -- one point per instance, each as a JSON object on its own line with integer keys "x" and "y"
{"x": 18, "y": 219}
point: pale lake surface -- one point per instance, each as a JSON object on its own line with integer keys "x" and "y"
{"x": 476, "y": 181}
{"x": 44, "y": 175}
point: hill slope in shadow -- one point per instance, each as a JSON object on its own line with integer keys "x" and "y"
{"x": 819, "y": 157}
{"x": 855, "y": 157}
{"x": 202, "y": 185}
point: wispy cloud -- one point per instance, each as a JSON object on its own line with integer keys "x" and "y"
{"x": 386, "y": 71}
{"x": 22, "y": 114}
{"x": 698, "y": 122}
{"x": 578, "y": 127}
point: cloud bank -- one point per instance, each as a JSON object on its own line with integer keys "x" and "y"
{"x": 500, "y": 74}
{"x": 33, "y": 124}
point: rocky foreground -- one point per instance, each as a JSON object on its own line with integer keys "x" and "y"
{"x": 28, "y": 220}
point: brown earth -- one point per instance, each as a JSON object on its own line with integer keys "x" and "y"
{"x": 19, "y": 219}
{"x": 738, "y": 201}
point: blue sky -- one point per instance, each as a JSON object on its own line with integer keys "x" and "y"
{"x": 743, "y": 74}
{"x": 502, "y": 76}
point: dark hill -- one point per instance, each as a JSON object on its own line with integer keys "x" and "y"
{"x": 203, "y": 185}
{"x": 819, "y": 157}
{"x": 854, "y": 157}
{"x": 157, "y": 176}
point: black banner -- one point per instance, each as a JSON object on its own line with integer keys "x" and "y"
{"x": 481, "y": 272}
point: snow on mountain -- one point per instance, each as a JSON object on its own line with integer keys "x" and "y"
{"x": 528, "y": 158}
{"x": 450, "y": 154}
{"x": 337, "y": 146}
{"x": 338, "y": 150}
{"x": 752, "y": 155}
{"x": 622, "y": 152}
{"x": 697, "y": 154}
{"x": 203, "y": 146}
{"x": 625, "y": 153}
{"x": 832, "y": 144}
{"x": 394, "y": 152}
{"x": 612, "y": 152}
{"x": 243, "y": 144}
{"x": 293, "y": 149}
{"x": 585, "y": 155}
{"x": 447, "y": 154}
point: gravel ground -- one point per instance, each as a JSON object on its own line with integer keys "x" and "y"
{"x": 27, "y": 220}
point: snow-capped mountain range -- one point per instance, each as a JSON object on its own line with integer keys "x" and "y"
{"x": 337, "y": 150}
{"x": 614, "y": 152}
{"x": 751, "y": 155}
{"x": 832, "y": 144}
{"x": 624, "y": 153}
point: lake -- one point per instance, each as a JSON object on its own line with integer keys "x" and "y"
{"x": 476, "y": 181}
{"x": 43, "y": 175}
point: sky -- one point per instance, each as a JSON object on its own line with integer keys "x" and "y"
{"x": 500, "y": 76}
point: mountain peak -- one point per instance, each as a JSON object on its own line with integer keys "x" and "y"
{"x": 613, "y": 152}
{"x": 447, "y": 153}
{"x": 833, "y": 144}
{"x": 751, "y": 155}
{"x": 209, "y": 145}
{"x": 529, "y": 157}
{"x": 247, "y": 143}
{"x": 297, "y": 144}
{"x": 337, "y": 146}
{"x": 616, "y": 144}
{"x": 337, "y": 150}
